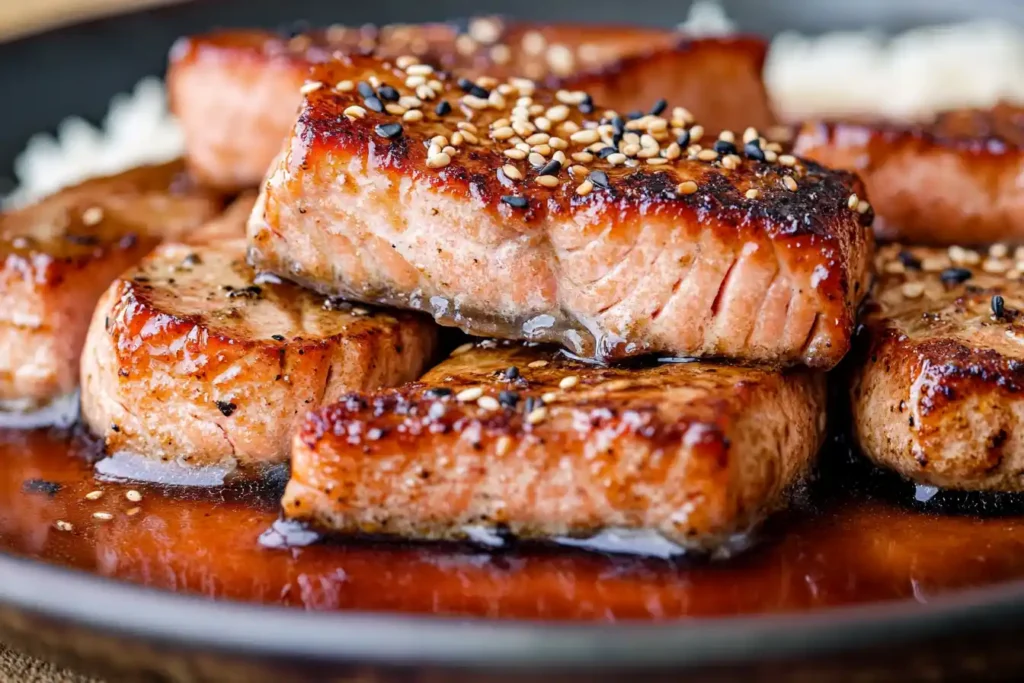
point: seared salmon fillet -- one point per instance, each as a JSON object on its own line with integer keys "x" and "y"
{"x": 510, "y": 213}
{"x": 953, "y": 181}
{"x": 193, "y": 361}
{"x": 520, "y": 439}
{"x": 937, "y": 395}
{"x": 237, "y": 92}
{"x": 60, "y": 254}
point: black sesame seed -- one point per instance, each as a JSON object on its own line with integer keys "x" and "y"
{"x": 514, "y": 202}
{"x": 724, "y": 147}
{"x": 618, "y": 125}
{"x": 753, "y": 150}
{"x": 365, "y": 89}
{"x": 531, "y": 403}
{"x": 510, "y": 373}
{"x": 998, "y": 306}
{"x": 606, "y": 152}
{"x": 586, "y": 105}
{"x": 387, "y": 93}
{"x": 508, "y": 399}
{"x": 226, "y": 408}
{"x": 551, "y": 168}
{"x": 955, "y": 276}
{"x": 50, "y": 488}
{"x": 437, "y": 392}
{"x": 442, "y": 108}
{"x": 909, "y": 261}
{"x": 191, "y": 261}
{"x": 684, "y": 139}
{"x": 634, "y": 115}
{"x": 599, "y": 179}
{"x": 389, "y": 130}
{"x": 465, "y": 84}
{"x": 277, "y": 337}
{"x": 374, "y": 103}
{"x": 659, "y": 107}
{"x": 477, "y": 91}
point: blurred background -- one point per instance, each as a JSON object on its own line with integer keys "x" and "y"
{"x": 897, "y": 59}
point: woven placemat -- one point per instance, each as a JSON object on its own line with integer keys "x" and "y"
{"x": 21, "y": 668}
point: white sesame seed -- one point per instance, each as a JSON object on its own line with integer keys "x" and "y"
{"x": 934, "y": 264}
{"x": 374, "y": 81}
{"x": 543, "y": 150}
{"x": 419, "y": 70}
{"x": 425, "y": 92}
{"x": 61, "y": 525}
{"x": 94, "y": 495}
{"x": 103, "y": 516}
{"x": 657, "y": 161}
{"x": 471, "y": 394}
{"x": 503, "y": 133}
{"x": 133, "y": 495}
{"x": 92, "y": 216}
{"x": 412, "y": 116}
{"x": 992, "y": 265}
{"x": 511, "y": 172}
{"x": 534, "y": 42}
{"x": 582, "y": 157}
{"x": 631, "y": 150}
{"x": 558, "y": 143}
{"x": 496, "y": 100}
{"x": 569, "y": 127}
{"x": 410, "y": 102}
{"x": 503, "y": 445}
{"x": 513, "y": 153}
{"x": 355, "y": 112}
{"x": 577, "y": 171}
{"x": 547, "y": 180}
{"x": 673, "y": 151}
{"x": 463, "y": 348}
{"x": 730, "y": 161}
{"x": 998, "y": 251}
{"x": 549, "y": 397}
{"x": 131, "y": 512}
{"x": 657, "y": 126}
{"x": 405, "y": 61}
{"x": 753, "y": 193}
{"x": 536, "y": 415}
{"x": 750, "y": 134}
{"x": 912, "y": 290}
{"x": 707, "y": 155}
{"x": 557, "y": 113}
{"x": 538, "y": 139}
{"x": 449, "y": 150}
{"x": 686, "y": 187}
{"x": 488, "y": 403}
{"x": 537, "y": 364}
{"x": 457, "y": 138}
{"x": 770, "y": 156}
{"x": 584, "y": 188}
{"x": 789, "y": 183}
{"x": 310, "y": 86}
{"x": 787, "y": 159}
{"x": 345, "y": 86}
{"x": 569, "y": 382}
{"x": 852, "y": 202}
{"x": 895, "y": 267}
{"x": 696, "y": 133}
{"x": 585, "y": 137}
{"x": 616, "y": 385}
{"x": 727, "y": 136}
{"x": 543, "y": 123}
{"x": 395, "y": 109}
{"x": 474, "y": 102}
{"x": 439, "y": 160}
{"x": 559, "y": 156}
{"x": 616, "y": 158}
{"x": 863, "y": 207}
{"x": 501, "y": 54}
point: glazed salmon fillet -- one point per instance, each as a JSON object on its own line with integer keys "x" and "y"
{"x": 60, "y": 254}
{"x": 953, "y": 181}
{"x": 194, "y": 363}
{"x": 937, "y": 391}
{"x": 515, "y": 439}
{"x": 237, "y": 92}
{"x": 508, "y": 212}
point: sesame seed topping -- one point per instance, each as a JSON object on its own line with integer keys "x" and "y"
{"x": 536, "y": 415}
{"x": 551, "y": 168}
{"x": 998, "y": 251}
{"x": 549, "y": 397}
{"x": 955, "y": 276}
{"x": 993, "y": 265}
{"x": 388, "y": 130}
{"x": 94, "y": 495}
{"x": 569, "y": 382}
{"x": 511, "y": 172}
{"x": 439, "y": 160}
{"x": 686, "y": 187}
{"x": 442, "y": 108}
{"x": 787, "y": 159}
{"x": 412, "y": 116}
{"x": 310, "y": 86}
{"x": 547, "y": 181}
{"x": 998, "y": 306}
{"x": 912, "y": 290}
{"x": 790, "y": 183}
{"x": 514, "y": 153}
{"x": 133, "y": 495}
{"x": 584, "y": 188}
{"x": 616, "y": 159}
{"x": 599, "y": 179}
{"x": 419, "y": 70}
{"x": 462, "y": 348}
{"x": 345, "y": 86}
{"x": 852, "y": 202}
{"x": 515, "y": 202}
{"x": 471, "y": 394}
{"x": 61, "y": 525}
{"x": 92, "y": 216}
{"x": 488, "y": 403}
{"x": 355, "y": 112}
{"x": 503, "y": 445}
{"x": 375, "y": 104}
{"x": 537, "y": 364}
{"x": 707, "y": 155}
{"x": 753, "y": 193}
{"x": 863, "y": 207}
{"x": 103, "y": 516}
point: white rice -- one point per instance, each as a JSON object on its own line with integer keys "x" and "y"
{"x": 861, "y": 73}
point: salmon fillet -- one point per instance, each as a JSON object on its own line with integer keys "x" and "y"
{"x": 193, "y": 361}
{"x": 953, "y": 181}
{"x": 237, "y": 92}
{"x": 60, "y": 254}
{"x": 937, "y": 394}
{"x": 651, "y": 249}
{"x": 507, "y": 438}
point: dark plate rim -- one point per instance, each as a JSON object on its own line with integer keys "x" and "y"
{"x": 136, "y": 612}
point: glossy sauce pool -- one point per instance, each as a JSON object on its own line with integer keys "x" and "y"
{"x": 847, "y": 544}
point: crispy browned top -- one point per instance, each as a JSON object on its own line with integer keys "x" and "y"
{"x": 651, "y": 157}
{"x": 961, "y": 317}
{"x": 512, "y": 388}
{"x": 82, "y": 223}
{"x": 554, "y": 53}
{"x": 982, "y": 132}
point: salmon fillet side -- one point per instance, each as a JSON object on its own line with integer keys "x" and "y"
{"x": 60, "y": 254}
{"x": 938, "y": 390}
{"x": 513, "y": 214}
{"x": 512, "y": 439}
{"x": 237, "y": 92}
{"x": 954, "y": 181}
{"x": 193, "y": 361}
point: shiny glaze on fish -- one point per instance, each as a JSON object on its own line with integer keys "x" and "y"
{"x": 236, "y": 92}
{"x": 629, "y": 265}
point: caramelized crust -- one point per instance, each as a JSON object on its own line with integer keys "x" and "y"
{"x": 953, "y": 181}
{"x": 192, "y": 360}
{"x": 520, "y": 439}
{"x": 60, "y": 254}
{"x": 236, "y": 92}
{"x": 663, "y": 250}
{"x": 937, "y": 393}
